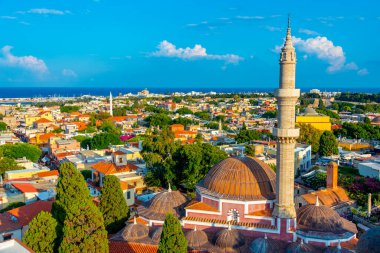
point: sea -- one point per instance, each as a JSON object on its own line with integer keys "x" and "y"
{"x": 44, "y": 92}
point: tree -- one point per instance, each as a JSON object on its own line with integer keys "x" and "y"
{"x": 113, "y": 205}
{"x": 20, "y": 150}
{"x": 7, "y": 164}
{"x": 328, "y": 144}
{"x": 108, "y": 127}
{"x": 71, "y": 188}
{"x": 3, "y": 126}
{"x": 184, "y": 110}
{"x": 103, "y": 140}
{"x": 310, "y": 135}
{"x": 41, "y": 235}
{"x": 248, "y": 135}
{"x": 69, "y": 108}
{"x": 250, "y": 150}
{"x": 367, "y": 120}
{"x": 159, "y": 119}
{"x": 83, "y": 229}
{"x": 172, "y": 238}
{"x": 269, "y": 115}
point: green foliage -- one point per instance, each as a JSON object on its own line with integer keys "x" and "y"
{"x": 269, "y": 115}
{"x": 172, "y": 238}
{"x": 328, "y": 144}
{"x": 159, "y": 119}
{"x": 316, "y": 181}
{"x": 103, "y": 140}
{"x": 84, "y": 140}
{"x": 113, "y": 205}
{"x": 86, "y": 174}
{"x": 101, "y": 115}
{"x": 83, "y": 229}
{"x": 42, "y": 233}
{"x": 367, "y": 120}
{"x": 1, "y": 116}
{"x": 108, "y": 127}
{"x": 184, "y": 121}
{"x": 310, "y": 135}
{"x": 184, "y": 110}
{"x": 12, "y": 206}
{"x": 71, "y": 188}
{"x": 3, "y": 126}
{"x": 20, "y": 150}
{"x": 69, "y": 108}
{"x": 250, "y": 150}
{"x": 57, "y": 130}
{"x": 359, "y": 97}
{"x": 329, "y": 113}
{"x": 203, "y": 115}
{"x": 358, "y": 131}
{"x": 249, "y": 135}
{"x": 8, "y": 164}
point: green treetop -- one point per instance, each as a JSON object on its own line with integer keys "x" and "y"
{"x": 20, "y": 150}
{"x": 172, "y": 238}
{"x": 113, "y": 205}
{"x": 41, "y": 234}
{"x": 328, "y": 144}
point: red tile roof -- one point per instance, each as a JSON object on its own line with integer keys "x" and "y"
{"x": 111, "y": 168}
{"x": 129, "y": 247}
{"x": 25, "y": 187}
{"x": 43, "y": 120}
{"x": 196, "y": 205}
{"x": 48, "y": 173}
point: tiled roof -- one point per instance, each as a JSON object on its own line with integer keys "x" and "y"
{"x": 128, "y": 247}
{"x": 117, "y": 118}
{"x": 24, "y": 215}
{"x": 43, "y": 120}
{"x": 48, "y": 173}
{"x": 266, "y": 213}
{"x": 196, "y": 205}
{"x": 233, "y": 223}
{"x": 118, "y": 153}
{"x": 139, "y": 220}
{"x": 327, "y": 197}
{"x": 111, "y": 168}
{"x": 24, "y": 187}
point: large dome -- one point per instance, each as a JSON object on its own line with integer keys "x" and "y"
{"x": 241, "y": 178}
{"x": 163, "y": 203}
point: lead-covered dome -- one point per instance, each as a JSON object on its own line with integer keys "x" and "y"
{"x": 369, "y": 241}
{"x": 228, "y": 239}
{"x": 266, "y": 245}
{"x": 197, "y": 239}
{"x": 242, "y": 178}
{"x": 135, "y": 231}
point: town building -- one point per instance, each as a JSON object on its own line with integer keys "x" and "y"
{"x": 311, "y": 117}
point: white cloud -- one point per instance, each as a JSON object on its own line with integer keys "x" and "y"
{"x": 307, "y": 31}
{"x": 273, "y": 28}
{"x": 69, "y": 73}
{"x": 249, "y": 17}
{"x": 325, "y": 50}
{"x": 45, "y": 11}
{"x": 7, "y": 17}
{"x": 363, "y": 72}
{"x": 30, "y": 63}
{"x": 167, "y": 49}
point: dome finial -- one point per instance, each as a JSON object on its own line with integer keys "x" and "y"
{"x": 229, "y": 225}
{"x": 195, "y": 228}
{"x": 317, "y": 201}
{"x": 301, "y": 241}
{"x": 134, "y": 220}
{"x": 339, "y": 247}
{"x": 169, "y": 188}
{"x": 265, "y": 237}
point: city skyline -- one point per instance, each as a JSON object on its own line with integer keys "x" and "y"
{"x": 185, "y": 45}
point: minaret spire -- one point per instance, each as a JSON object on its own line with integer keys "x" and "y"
{"x": 111, "y": 109}
{"x": 286, "y": 132}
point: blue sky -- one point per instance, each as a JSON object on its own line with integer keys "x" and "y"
{"x": 192, "y": 43}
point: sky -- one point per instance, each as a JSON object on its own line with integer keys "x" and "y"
{"x": 187, "y": 43}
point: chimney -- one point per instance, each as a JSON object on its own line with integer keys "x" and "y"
{"x": 332, "y": 175}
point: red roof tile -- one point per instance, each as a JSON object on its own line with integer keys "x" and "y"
{"x": 48, "y": 173}
{"x": 129, "y": 247}
{"x": 111, "y": 168}
{"x": 24, "y": 187}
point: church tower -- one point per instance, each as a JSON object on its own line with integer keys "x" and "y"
{"x": 111, "y": 109}
{"x": 286, "y": 132}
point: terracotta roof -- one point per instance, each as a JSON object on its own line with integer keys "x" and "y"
{"x": 25, "y": 187}
{"x": 118, "y": 153}
{"x": 129, "y": 247}
{"x": 117, "y": 118}
{"x": 43, "y": 120}
{"x": 327, "y": 197}
{"x": 196, "y": 205}
{"x": 266, "y": 213}
{"x": 242, "y": 178}
{"x": 64, "y": 154}
{"x": 24, "y": 215}
{"x": 111, "y": 168}
{"x": 48, "y": 173}
{"x": 139, "y": 220}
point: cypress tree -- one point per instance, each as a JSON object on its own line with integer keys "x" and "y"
{"x": 328, "y": 144}
{"x": 83, "y": 230}
{"x": 71, "y": 187}
{"x": 113, "y": 205}
{"x": 172, "y": 238}
{"x": 41, "y": 234}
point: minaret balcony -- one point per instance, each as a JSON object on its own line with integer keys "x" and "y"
{"x": 286, "y": 133}
{"x": 287, "y": 93}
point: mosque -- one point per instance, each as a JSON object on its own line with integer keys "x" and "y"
{"x": 241, "y": 205}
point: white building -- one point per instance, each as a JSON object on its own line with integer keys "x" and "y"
{"x": 370, "y": 169}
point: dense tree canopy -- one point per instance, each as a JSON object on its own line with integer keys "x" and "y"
{"x": 20, "y": 150}
{"x": 109, "y": 127}
{"x": 69, "y": 108}
{"x": 249, "y": 135}
{"x": 3, "y": 126}
{"x": 358, "y": 131}
{"x": 269, "y": 115}
{"x": 103, "y": 140}
{"x": 328, "y": 144}
{"x": 8, "y": 164}
{"x": 41, "y": 235}
{"x": 172, "y": 237}
{"x": 113, "y": 205}
{"x": 184, "y": 110}
{"x": 310, "y": 135}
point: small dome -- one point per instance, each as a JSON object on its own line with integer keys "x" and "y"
{"x": 163, "y": 203}
{"x": 242, "y": 178}
{"x": 156, "y": 235}
{"x": 197, "y": 239}
{"x": 135, "y": 231}
{"x": 319, "y": 218}
{"x": 310, "y": 111}
{"x": 266, "y": 245}
{"x": 337, "y": 249}
{"x": 229, "y": 239}
{"x": 301, "y": 247}
{"x": 369, "y": 241}
{"x": 376, "y": 120}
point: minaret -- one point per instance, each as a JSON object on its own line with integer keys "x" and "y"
{"x": 286, "y": 132}
{"x": 111, "y": 111}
